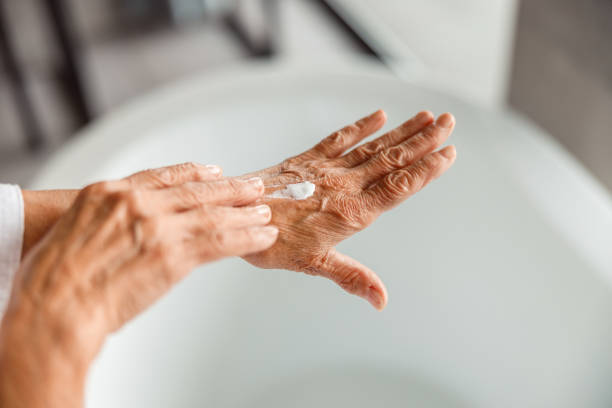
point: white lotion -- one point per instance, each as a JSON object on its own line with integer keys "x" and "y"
{"x": 299, "y": 191}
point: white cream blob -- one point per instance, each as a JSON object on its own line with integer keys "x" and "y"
{"x": 299, "y": 191}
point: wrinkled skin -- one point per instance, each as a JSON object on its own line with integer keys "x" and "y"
{"x": 120, "y": 247}
{"x": 112, "y": 249}
{"x": 352, "y": 189}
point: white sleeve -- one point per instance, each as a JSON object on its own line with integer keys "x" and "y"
{"x": 11, "y": 238}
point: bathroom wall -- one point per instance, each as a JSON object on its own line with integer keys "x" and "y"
{"x": 562, "y": 76}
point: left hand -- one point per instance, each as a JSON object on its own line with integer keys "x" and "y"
{"x": 352, "y": 190}
{"x": 119, "y": 248}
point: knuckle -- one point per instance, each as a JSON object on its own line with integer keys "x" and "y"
{"x": 173, "y": 174}
{"x": 343, "y": 134}
{"x": 421, "y": 142}
{"x": 371, "y": 148}
{"x": 316, "y": 265}
{"x": 430, "y": 136}
{"x": 194, "y": 193}
{"x": 402, "y": 181}
{"x": 350, "y": 281}
{"x": 237, "y": 188}
{"x": 199, "y": 171}
{"x": 334, "y": 138}
{"x": 290, "y": 163}
{"x": 132, "y": 201}
{"x": 396, "y": 156}
{"x": 99, "y": 188}
{"x": 351, "y": 214}
{"x": 433, "y": 161}
{"x": 332, "y": 181}
{"x": 163, "y": 176}
{"x": 353, "y": 128}
{"x": 190, "y": 166}
{"x": 127, "y": 201}
{"x": 362, "y": 123}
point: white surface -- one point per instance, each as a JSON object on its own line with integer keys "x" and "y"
{"x": 11, "y": 238}
{"x": 463, "y": 47}
{"x": 498, "y": 273}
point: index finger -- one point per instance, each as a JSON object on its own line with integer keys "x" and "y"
{"x": 173, "y": 175}
{"x": 228, "y": 192}
{"x": 340, "y": 141}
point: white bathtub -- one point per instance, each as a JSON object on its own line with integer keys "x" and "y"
{"x": 498, "y": 273}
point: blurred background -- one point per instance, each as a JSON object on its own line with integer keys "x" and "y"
{"x": 67, "y": 62}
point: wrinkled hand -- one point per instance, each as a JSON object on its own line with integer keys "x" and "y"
{"x": 352, "y": 190}
{"x": 120, "y": 247}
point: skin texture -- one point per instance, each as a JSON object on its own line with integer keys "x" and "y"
{"x": 352, "y": 189}
{"x": 95, "y": 259}
{"x": 121, "y": 246}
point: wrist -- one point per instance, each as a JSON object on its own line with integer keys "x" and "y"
{"x": 41, "y": 210}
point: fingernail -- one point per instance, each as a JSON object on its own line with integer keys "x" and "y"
{"x": 256, "y": 181}
{"x": 379, "y": 112}
{"x": 422, "y": 116}
{"x": 270, "y": 230}
{"x": 213, "y": 169}
{"x": 448, "y": 152}
{"x": 445, "y": 120}
{"x": 263, "y": 210}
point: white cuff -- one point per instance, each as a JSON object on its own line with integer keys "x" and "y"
{"x": 11, "y": 238}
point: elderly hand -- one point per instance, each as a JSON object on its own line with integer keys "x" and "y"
{"x": 352, "y": 190}
{"x": 120, "y": 247}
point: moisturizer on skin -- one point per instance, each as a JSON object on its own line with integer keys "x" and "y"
{"x": 298, "y": 191}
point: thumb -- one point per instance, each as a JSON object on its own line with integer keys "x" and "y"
{"x": 353, "y": 277}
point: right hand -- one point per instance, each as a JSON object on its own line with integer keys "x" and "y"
{"x": 353, "y": 188}
{"x": 119, "y": 248}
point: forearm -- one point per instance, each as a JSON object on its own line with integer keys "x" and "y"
{"x": 35, "y": 368}
{"x": 42, "y": 209}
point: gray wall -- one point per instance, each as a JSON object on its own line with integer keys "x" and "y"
{"x": 562, "y": 76}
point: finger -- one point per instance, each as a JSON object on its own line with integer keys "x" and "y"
{"x": 213, "y": 218}
{"x": 410, "y": 151}
{"x": 230, "y": 242}
{"x": 342, "y": 140}
{"x": 229, "y": 191}
{"x": 397, "y": 135}
{"x": 354, "y": 277}
{"x": 144, "y": 279}
{"x": 174, "y": 175}
{"x": 401, "y": 184}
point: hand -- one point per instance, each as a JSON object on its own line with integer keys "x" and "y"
{"x": 352, "y": 190}
{"x": 121, "y": 246}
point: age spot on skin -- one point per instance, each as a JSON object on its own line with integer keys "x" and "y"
{"x": 298, "y": 191}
